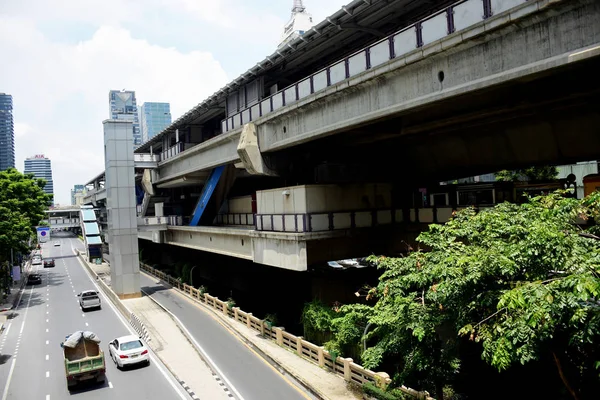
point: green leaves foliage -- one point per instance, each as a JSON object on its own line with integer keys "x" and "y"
{"x": 520, "y": 280}
{"x": 22, "y": 206}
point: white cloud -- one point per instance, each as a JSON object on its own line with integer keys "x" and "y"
{"x": 65, "y": 57}
{"x": 60, "y": 92}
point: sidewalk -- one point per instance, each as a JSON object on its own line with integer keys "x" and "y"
{"x": 324, "y": 383}
{"x": 15, "y": 292}
{"x": 170, "y": 345}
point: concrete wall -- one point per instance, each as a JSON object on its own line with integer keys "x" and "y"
{"x": 323, "y": 198}
{"x": 238, "y": 205}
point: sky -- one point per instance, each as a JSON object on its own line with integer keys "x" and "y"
{"x": 59, "y": 59}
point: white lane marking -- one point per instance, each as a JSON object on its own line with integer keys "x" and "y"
{"x": 83, "y": 315}
{"x": 47, "y": 397}
{"x": 47, "y": 342}
{"x": 22, "y": 326}
{"x": 47, "y": 312}
{"x": 47, "y": 320}
{"x": 86, "y": 324}
{"x": 12, "y": 368}
{"x": 47, "y": 357}
{"x": 46, "y": 330}
{"x": 7, "y": 329}
{"x": 201, "y": 350}
{"x": 110, "y": 385}
{"x": 47, "y": 374}
{"x": 127, "y": 326}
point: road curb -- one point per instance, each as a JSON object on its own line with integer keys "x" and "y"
{"x": 271, "y": 360}
{"x": 112, "y": 298}
{"x": 192, "y": 343}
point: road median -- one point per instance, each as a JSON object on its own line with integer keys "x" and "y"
{"x": 164, "y": 337}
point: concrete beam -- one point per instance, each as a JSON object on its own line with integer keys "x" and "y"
{"x": 250, "y": 154}
{"x": 212, "y": 153}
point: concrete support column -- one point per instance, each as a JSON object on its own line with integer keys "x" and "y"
{"x": 121, "y": 208}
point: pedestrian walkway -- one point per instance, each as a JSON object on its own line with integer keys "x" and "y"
{"x": 12, "y": 300}
{"x": 326, "y": 384}
{"x": 170, "y": 345}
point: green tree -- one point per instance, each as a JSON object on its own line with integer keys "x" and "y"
{"x": 523, "y": 281}
{"x": 22, "y": 206}
{"x": 24, "y": 194}
{"x": 546, "y": 173}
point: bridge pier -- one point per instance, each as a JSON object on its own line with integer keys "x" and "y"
{"x": 120, "y": 205}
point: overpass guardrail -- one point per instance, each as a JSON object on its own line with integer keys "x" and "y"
{"x": 459, "y": 16}
{"x": 343, "y": 367}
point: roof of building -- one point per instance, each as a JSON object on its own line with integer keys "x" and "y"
{"x": 351, "y": 28}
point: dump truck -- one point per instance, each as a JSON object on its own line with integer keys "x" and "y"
{"x": 84, "y": 359}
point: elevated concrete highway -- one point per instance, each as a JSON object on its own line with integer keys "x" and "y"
{"x": 424, "y": 95}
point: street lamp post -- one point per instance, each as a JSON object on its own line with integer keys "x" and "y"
{"x": 191, "y": 276}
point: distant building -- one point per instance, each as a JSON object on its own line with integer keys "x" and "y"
{"x": 7, "y": 132}
{"x": 154, "y": 118}
{"x": 123, "y": 105}
{"x": 580, "y": 170}
{"x": 299, "y": 22}
{"x": 77, "y": 194}
{"x": 41, "y": 167}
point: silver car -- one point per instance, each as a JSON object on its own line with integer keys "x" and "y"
{"x": 89, "y": 299}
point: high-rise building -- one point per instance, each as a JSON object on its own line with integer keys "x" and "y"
{"x": 77, "y": 194}
{"x": 41, "y": 167}
{"x": 123, "y": 105}
{"x": 299, "y": 22}
{"x": 154, "y": 118}
{"x": 7, "y": 132}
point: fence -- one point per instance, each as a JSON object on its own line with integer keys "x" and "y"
{"x": 343, "y": 367}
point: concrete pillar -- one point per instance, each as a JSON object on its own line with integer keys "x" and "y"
{"x": 121, "y": 208}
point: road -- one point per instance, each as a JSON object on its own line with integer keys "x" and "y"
{"x": 248, "y": 375}
{"x": 31, "y": 361}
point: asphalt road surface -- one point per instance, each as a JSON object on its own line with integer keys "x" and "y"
{"x": 31, "y": 359}
{"x": 248, "y": 375}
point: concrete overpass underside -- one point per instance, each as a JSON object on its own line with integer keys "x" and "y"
{"x": 550, "y": 118}
{"x": 521, "y": 95}
{"x": 292, "y": 251}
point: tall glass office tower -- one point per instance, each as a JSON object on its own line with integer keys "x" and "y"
{"x": 154, "y": 117}
{"x": 41, "y": 167}
{"x": 123, "y": 105}
{"x": 7, "y": 132}
{"x": 76, "y": 192}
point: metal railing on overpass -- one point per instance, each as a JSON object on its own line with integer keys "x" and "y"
{"x": 457, "y": 17}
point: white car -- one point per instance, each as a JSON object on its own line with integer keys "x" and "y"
{"x": 89, "y": 299}
{"x": 128, "y": 350}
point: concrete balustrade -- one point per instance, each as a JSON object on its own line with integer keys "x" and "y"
{"x": 345, "y": 368}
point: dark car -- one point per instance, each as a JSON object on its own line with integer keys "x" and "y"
{"x": 48, "y": 263}
{"x": 34, "y": 279}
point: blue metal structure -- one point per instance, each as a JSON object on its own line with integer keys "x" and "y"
{"x": 207, "y": 191}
